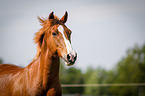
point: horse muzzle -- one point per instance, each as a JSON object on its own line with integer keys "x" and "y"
{"x": 70, "y": 58}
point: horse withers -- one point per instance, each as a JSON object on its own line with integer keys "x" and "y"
{"x": 41, "y": 76}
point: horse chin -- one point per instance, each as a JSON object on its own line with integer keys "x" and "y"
{"x": 69, "y": 64}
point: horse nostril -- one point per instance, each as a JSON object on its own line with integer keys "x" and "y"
{"x": 68, "y": 56}
{"x": 75, "y": 57}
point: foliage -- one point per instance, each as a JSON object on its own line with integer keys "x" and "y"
{"x": 71, "y": 75}
{"x": 1, "y": 61}
{"x": 130, "y": 69}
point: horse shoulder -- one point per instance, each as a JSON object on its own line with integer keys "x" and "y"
{"x": 9, "y": 78}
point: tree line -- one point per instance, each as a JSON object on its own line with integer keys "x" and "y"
{"x": 130, "y": 69}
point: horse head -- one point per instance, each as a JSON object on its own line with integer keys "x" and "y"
{"x": 57, "y": 37}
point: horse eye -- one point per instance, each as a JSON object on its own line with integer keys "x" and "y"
{"x": 54, "y": 34}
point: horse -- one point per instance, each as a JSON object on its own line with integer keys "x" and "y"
{"x": 41, "y": 76}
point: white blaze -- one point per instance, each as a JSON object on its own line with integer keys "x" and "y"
{"x": 67, "y": 42}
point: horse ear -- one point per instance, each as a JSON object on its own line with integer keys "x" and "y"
{"x": 64, "y": 18}
{"x": 51, "y": 15}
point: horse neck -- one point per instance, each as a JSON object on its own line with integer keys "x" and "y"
{"x": 49, "y": 66}
{"x": 45, "y": 68}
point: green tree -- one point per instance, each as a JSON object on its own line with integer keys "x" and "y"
{"x": 1, "y": 61}
{"x": 96, "y": 76}
{"x": 131, "y": 69}
{"x": 90, "y": 77}
{"x": 71, "y": 75}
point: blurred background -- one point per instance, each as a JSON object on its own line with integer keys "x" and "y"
{"x": 108, "y": 35}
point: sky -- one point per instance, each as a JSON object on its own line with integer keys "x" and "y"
{"x": 102, "y": 30}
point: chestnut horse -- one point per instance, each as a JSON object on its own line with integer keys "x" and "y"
{"x": 41, "y": 76}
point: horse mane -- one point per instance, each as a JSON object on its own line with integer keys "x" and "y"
{"x": 39, "y": 36}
